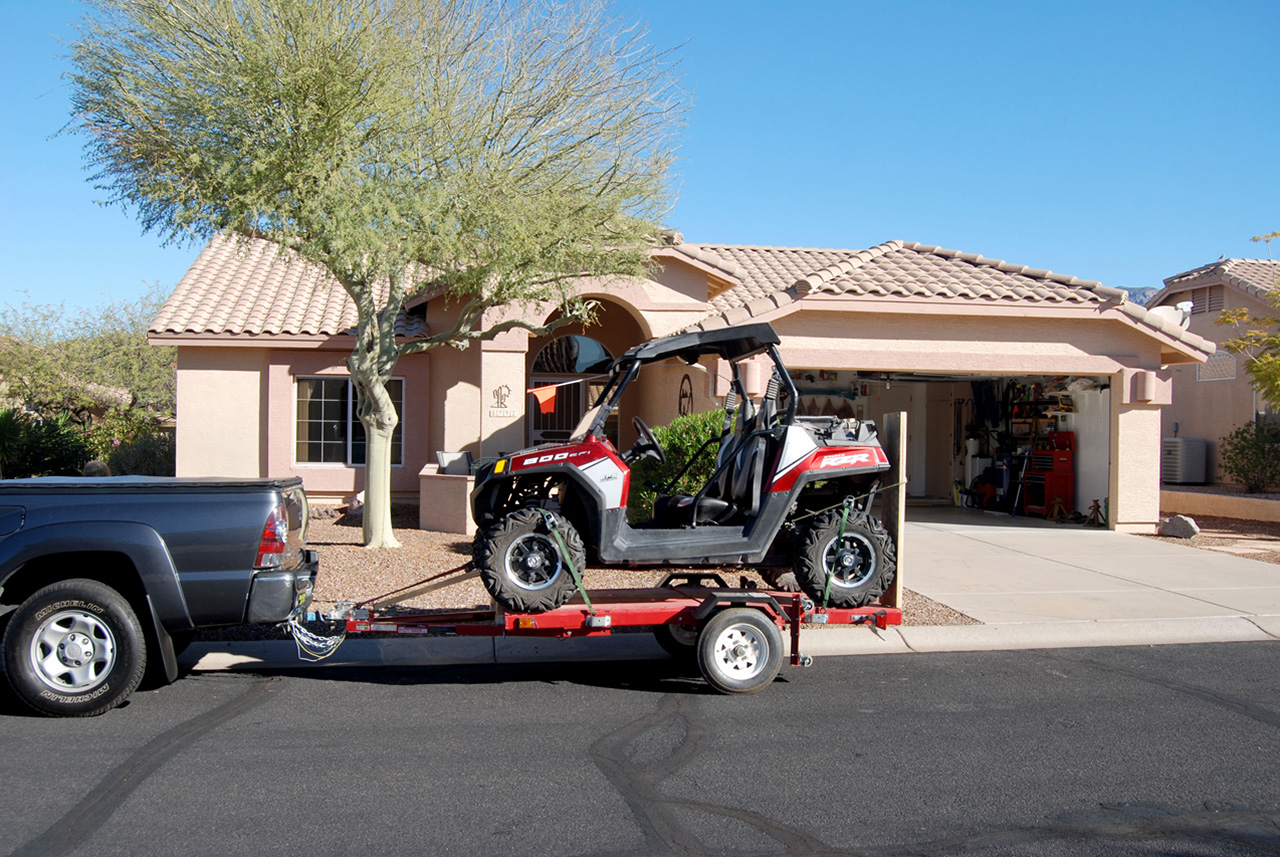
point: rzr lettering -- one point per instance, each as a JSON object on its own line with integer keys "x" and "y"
{"x": 846, "y": 459}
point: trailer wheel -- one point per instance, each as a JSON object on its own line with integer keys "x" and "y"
{"x": 679, "y": 641}
{"x": 521, "y": 564}
{"x": 739, "y": 650}
{"x": 74, "y": 649}
{"x": 862, "y": 564}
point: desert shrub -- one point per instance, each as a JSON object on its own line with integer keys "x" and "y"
{"x": 681, "y": 441}
{"x": 145, "y": 454}
{"x": 1251, "y": 456}
{"x": 41, "y": 447}
{"x": 132, "y": 444}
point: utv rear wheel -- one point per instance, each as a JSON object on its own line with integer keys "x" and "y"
{"x": 861, "y": 564}
{"x": 521, "y": 563}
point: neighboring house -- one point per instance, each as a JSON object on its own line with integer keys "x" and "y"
{"x": 1212, "y": 399}
{"x": 262, "y": 383}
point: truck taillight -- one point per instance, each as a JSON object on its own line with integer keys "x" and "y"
{"x": 274, "y": 534}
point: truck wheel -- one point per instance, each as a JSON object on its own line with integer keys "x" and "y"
{"x": 74, "y": 649}
{"x": 739, "y": 650}
{"x": 861, "y": 565}
{"x": 521, "y": 564}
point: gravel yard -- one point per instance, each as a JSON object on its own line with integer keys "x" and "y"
{"x": 349, "y": 572}
{"x": 1258, "y": 540}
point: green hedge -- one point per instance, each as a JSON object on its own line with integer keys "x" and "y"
{"x": 680, "y": 440}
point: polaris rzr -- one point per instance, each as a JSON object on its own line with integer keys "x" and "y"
{"x": 789, "y": 494}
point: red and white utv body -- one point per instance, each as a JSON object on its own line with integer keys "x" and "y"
{"x": 789, "y": 493}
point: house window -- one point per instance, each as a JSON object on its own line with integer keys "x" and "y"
{"x": 329, "y": 430}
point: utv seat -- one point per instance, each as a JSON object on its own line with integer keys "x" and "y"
{"x": 714, "y": 505}
{"x": 739, "y": 482}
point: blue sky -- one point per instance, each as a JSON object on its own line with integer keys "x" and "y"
{"x": 1121, "y": 142}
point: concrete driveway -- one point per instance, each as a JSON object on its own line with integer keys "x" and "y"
{"x": 1007, "y": 571}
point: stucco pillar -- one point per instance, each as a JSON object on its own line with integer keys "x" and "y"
{"x": 503, "y": 396}
{"x": 1136, "y": 398}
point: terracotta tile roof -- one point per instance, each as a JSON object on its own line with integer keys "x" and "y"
{"x": 899, "y": 270}
{"x": 766, "y": 270}
{"x": 1257, "y": 277}
{"x": 248, "y": 286}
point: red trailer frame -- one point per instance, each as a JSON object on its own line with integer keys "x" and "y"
{"x": 683, "y": 601}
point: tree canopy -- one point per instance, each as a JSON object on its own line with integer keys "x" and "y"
{"x": 81, "y": 361}
{"x": 489, "y": 151}
{"x": 1258, "y": 339}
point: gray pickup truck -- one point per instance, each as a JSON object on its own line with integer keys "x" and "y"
{"x": 101, "y": 577}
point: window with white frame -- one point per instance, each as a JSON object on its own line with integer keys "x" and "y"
{"x": 328, "y": 429}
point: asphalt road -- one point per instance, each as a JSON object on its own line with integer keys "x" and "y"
{"x": 1171, "y": 750}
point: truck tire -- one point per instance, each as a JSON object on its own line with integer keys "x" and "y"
{"x": 862, "y": 566}
{"x": 74, "y": 649}
{"x": 739, "y": 650}
{"x": 521, "y": 564}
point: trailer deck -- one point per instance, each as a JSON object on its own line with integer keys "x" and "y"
{"x": 735, "y": 633}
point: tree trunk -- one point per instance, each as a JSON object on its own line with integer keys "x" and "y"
{"x": 378, "y": 416}
{"x": 377, "y": 482}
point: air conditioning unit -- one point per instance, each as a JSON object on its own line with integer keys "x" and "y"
{"x": 1182, "y": 460}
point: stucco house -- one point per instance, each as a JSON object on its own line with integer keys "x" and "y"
{"x": 263, "y": 390}
{"x": 1212, "y": 399}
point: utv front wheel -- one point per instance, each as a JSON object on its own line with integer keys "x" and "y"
{"x": 521, "y": 562}
{"x": 861, "y": 564}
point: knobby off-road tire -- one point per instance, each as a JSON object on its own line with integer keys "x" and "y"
{"x": 74, "y": 649}
{"x": 739, "y": 650}
{"x": 864, "y": 562}
{"x": 521, "y": 564}
{"x": 782, "y": 579}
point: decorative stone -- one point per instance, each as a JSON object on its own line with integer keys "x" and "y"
{"x": 1179, "y": 527}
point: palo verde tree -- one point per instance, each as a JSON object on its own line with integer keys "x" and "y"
{"x": 1258, "y": 339}
{"x": 489, "y": 152}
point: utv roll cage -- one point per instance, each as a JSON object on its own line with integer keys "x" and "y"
{"x": 733, "y": 344}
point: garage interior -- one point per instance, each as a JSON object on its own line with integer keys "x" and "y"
{"x": 1028, "y": 445}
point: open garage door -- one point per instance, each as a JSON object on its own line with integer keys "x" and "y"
{"x": 1038, "y": 446}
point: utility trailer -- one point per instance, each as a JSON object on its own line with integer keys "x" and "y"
{"x": 735, "y": 635}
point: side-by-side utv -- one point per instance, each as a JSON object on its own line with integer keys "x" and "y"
{"x": 789, "y": 494}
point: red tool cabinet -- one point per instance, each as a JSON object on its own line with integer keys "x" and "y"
{"x": 1050, "y": 475}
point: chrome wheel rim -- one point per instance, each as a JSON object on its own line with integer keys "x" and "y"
{"x": 850, "y": 562}
{"x": 532, "y": 562}
{"x": 73, "y": 651}
{"x": 740, "y": 652}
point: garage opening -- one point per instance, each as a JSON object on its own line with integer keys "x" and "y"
{"x": 1032, "y": 445}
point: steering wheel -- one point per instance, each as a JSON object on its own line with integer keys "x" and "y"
{"x": 646, "y": 444}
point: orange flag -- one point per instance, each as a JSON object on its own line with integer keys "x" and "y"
{"x": 546, "y": 397}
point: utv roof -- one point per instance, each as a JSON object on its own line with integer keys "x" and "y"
{"x": 731, "y": 343}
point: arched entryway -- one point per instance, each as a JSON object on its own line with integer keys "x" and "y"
{"x": 576, "y": 366}
{"x": 577, "y": 358}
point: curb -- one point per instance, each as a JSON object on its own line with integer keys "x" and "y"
{"x": 821, "y": 642}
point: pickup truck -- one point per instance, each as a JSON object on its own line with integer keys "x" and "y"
{"x": 101, "y": 577}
